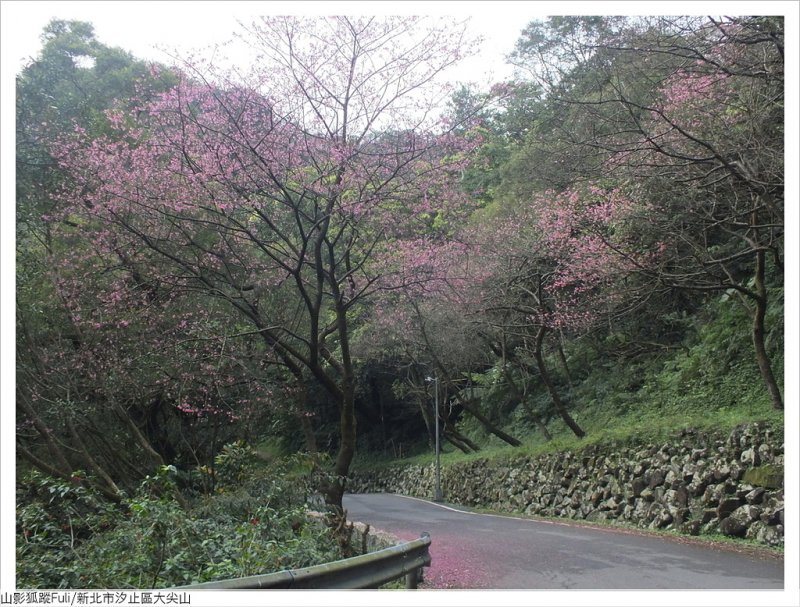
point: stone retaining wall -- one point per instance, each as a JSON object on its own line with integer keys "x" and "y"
{"x": 697, "y": 483}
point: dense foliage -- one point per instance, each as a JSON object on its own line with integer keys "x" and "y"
{"x": 297, "y": 257}
{"x": 256, "y": 521}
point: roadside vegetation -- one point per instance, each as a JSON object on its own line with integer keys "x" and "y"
{"x": 708, "y": 382}
{"x": 253, "y": 522}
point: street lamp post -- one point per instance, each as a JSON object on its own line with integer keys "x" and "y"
{"x": 437, "y": 493}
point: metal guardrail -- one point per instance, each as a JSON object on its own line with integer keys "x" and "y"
{"x": 366, "y": 571}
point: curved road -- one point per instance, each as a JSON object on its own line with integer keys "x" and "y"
{"x": 471, "y": 550}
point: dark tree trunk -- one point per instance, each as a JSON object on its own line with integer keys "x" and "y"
{"x": 548, "y": 382}
{"x": 490, "y": 427}
{"x": 458, "y": 440}
{"x": 347, "y": 448}
{"x": 523, "y": 400}
{"x": 762, "y": 358}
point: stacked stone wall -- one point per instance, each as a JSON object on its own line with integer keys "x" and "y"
{"x": 697, "y": 483}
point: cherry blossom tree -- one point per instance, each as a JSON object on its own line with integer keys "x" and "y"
{"x": 73, "y": 80}
{"x": 713, "y": 142}
{"x": 561, "y": 263}
{"x": 423, "y": 318}
{"x": 692, "y": 110}
{"x": 272, "y": 192}
{"x": 125, "y": 378}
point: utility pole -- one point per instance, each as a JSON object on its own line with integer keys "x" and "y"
{"x": 437, "y": 494}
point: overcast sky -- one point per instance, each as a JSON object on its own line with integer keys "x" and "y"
{"x": 147, "y": 28}
{"x": 144, "y": 27}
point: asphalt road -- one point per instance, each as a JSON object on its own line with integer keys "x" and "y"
{"x": 471, "y": 550}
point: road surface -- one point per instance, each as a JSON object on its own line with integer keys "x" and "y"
{"x": 471, "y": 550}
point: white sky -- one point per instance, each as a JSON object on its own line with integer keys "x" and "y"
{"x": 143, "y": 27}
{"x": 147, "y": 28}
{"x": 140, "y": 27}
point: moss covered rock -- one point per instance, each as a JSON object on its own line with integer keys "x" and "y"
{"x": 769, "y": 476}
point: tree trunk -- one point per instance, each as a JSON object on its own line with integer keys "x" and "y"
{"x": 458, "y": 440}
{"x": 90, "y": 461}
{"x": 347, "y": 448}
{"x": 559, "y": 404}
{"x": 55, "y": 451}
{"x": 523, "y": 400}
{"x": 347, "y": 414}
{"x": 762, "y": 358}
{"x": 490, "y": 427}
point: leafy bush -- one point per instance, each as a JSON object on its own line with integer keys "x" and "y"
{"x": 163, "y": 546}
{"x": 54, "y": 517}
{"x": 256, "y": 522}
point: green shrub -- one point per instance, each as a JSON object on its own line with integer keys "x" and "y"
{"x": 54, "y": 517}
{"x": 256, "y": 522}
{"x": 164, "y": 547}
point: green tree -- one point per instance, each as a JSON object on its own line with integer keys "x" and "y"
{"x": 72, "y": 83}
{"x": 690, "y": 110}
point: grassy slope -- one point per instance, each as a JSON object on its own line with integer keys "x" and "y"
{"x": 711, "y": 382}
